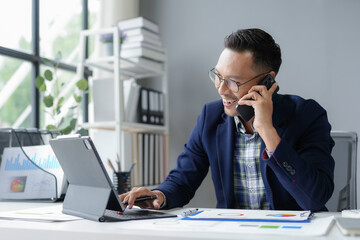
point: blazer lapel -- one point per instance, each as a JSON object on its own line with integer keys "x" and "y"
{"x": 225, "y": 139}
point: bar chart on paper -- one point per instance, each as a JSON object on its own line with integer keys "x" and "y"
{"x": 32, "y": 172}
{"x": 15, "y": 163}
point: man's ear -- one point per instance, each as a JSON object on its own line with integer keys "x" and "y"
{"x": 272, "y": 73}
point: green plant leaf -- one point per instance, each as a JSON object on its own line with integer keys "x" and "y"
{"x": 48, "y": 101}
{"x": 82, "y": 84}
{"x": 60, "y": 102}
{"x": 50, "y": 127}
{"x": 77, "y": 98}
{"x": 48, "y": 75}
{"x": 83, "y": 132}
{"x": 73, "y": 107}
{"x": 66, "y": 130}
{"x": 42, "y": 88}
{"x": 73, "y": 123}
{"x": 39, "y": 81}
{"x": 59, "y": 105}
{"x": 48, "y": 62}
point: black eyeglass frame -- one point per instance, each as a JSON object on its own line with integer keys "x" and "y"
{"x": 228, "y": 79}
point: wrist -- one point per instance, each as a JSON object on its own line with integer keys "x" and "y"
{"x": 270, "y": 138}
{"x": 161, "y": 198}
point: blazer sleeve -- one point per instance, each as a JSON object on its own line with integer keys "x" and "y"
{"x": 302, "y": 161}
{"x": 192, "y": 166}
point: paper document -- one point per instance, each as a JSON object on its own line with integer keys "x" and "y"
{"x": 245, "y": 215}
{"x": 40, "y": 178}
{"x": 43, "y": 214}
{"x": 221, "y": 229}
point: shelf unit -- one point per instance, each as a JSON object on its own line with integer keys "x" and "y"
{"x": 122, "y": 69}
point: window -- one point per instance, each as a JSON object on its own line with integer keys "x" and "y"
{"x": 60, "y": 23}
{"x": 14, "y": 94}
{"x": 16, "y": 30}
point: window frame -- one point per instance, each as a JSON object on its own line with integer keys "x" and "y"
{"x": 36, "y": 60}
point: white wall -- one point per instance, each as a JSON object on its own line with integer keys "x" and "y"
{"x": 320, "y": 46}
{"x": 113, "y": 11}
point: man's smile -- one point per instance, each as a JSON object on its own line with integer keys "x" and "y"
{"x": 228, "y": 102}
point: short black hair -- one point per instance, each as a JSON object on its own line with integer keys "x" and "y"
{"x": 266, "y": 52}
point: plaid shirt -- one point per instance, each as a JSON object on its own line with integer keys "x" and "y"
{"x": 248, "y": 184}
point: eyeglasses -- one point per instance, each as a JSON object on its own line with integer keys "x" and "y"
{"x": 231, "y": 84}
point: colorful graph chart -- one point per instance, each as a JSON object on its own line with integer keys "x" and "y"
{"x": 252, "y": 215}
{"x": 281, "y": 215}
{"x": 18, "y": 184}
{"x": 19, "y": 162}
{"x": 257, "y": 226}
{"x": 231, "y": 214}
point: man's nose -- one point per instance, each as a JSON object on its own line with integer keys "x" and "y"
{"x": 223, "y": 87}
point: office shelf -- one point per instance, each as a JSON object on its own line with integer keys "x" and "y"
{"x": 121, "y": 70}
{"x": 126, "y": 126}
{"x": 128, "y": 68}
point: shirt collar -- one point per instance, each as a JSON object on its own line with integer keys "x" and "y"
{"x": 240, "y": 129}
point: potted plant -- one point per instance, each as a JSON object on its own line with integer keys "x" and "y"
{"x": 107, "y": 39}
{"x": 53, "y": 98}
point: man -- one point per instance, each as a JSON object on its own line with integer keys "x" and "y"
{"x": 279, "y": 159}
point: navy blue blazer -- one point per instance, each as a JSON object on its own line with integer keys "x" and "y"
{"x": 299, "y": 175}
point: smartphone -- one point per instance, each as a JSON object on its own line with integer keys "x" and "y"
{"x": 247, "y": 112}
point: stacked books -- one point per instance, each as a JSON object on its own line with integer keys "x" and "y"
{"x": 142, "y": 43}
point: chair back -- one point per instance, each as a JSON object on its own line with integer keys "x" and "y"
{"x": 345, "y": 156}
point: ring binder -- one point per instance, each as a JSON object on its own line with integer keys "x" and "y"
{"x": 29, "y": 169}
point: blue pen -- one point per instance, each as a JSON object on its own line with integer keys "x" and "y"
{"x": 132, "y": 166}
{"x": 128, "y": 173}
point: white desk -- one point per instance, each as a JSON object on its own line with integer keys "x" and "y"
{"x": 88, "y": 230}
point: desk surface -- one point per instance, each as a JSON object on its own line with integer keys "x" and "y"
{"x": 85, "y": 229}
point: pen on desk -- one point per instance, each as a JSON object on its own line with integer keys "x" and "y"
{"x": 189, "y": 212}
{"x": 140, "y": 199}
